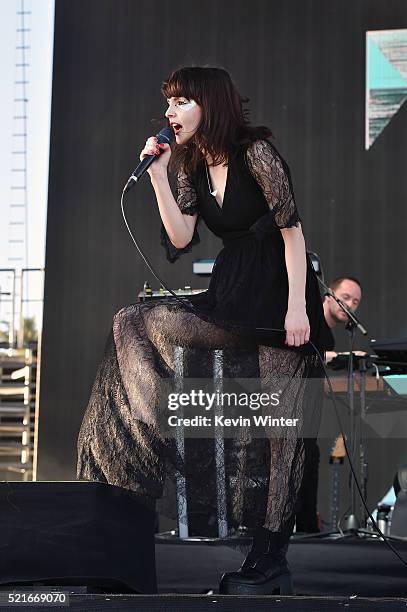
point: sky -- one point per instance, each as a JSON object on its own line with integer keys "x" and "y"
{"x": 39, "y": 38}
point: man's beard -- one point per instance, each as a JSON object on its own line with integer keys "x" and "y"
{"x": 338, "y": 318}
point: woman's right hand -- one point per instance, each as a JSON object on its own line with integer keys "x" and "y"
{"x": 152, "y": 148}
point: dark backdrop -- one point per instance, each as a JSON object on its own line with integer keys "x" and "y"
{"x": 303, "y": 66}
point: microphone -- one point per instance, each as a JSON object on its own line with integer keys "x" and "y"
{"x": 353, "y": 320}
{"x": 164, "y": 136}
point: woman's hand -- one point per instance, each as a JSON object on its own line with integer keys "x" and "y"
{"x": 153, "y": 148}
{"x": 297, "y": 326}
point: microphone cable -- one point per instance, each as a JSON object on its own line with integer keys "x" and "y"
{"x": 189, "y": 306}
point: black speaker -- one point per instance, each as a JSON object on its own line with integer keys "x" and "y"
{"x": 76, "y": 533}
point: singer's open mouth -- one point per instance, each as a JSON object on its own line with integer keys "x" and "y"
{"x": 176, "y": 127}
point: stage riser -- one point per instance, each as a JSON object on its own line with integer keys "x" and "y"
{"x": 76, "y": 533}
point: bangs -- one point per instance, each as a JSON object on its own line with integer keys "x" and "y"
{"x": 183, "y": 84}
{"x": 224, "y": 124}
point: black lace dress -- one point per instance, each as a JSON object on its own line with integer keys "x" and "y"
{"x": 242, "y": 312}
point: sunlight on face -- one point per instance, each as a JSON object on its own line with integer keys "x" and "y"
{"x": 350, "y": 294}
{"x": 184, "y": 117}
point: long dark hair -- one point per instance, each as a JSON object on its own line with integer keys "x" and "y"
{"x": 224, "y": 124}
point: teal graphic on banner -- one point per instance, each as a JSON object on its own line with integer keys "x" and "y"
{"x": 386, "y": 79}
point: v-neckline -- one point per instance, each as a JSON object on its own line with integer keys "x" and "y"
{"x": 210, "y": 186}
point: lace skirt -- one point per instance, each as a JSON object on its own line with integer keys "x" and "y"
{"x": 121, "y": 441}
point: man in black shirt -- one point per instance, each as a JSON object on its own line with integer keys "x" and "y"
{"x": 349, "y": 291}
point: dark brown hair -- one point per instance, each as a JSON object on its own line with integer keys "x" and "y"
{"x": 224, "y": 124}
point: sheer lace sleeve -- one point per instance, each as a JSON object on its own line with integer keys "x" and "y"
{"x": 188, "y": 205}
{"x": 273, "y": 176}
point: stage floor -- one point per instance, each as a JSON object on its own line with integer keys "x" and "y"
{"x": 329, "y": 575}
{"x": 320, "y": 567}
{"x": 224, "y": 603}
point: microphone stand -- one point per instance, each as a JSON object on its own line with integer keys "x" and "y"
{"x": 352, "y": 522}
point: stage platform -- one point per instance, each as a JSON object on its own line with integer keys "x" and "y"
{"x": 224, "y": 603}
{"x": 345, "y": 567}
{"x": 352, "y": 573}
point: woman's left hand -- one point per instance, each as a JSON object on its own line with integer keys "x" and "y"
{"x": 297, "y": 326}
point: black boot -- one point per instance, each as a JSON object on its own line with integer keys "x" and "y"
{"x": 265, "y": 570}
